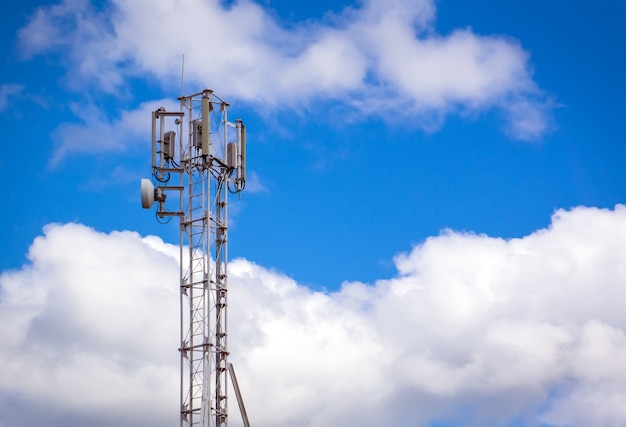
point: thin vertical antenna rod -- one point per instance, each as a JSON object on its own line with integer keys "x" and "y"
{"x": 182, "y": 76}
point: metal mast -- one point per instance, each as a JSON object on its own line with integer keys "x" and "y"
{"x": 208, "y": 163}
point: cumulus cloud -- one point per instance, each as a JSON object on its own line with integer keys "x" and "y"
{"x": 80, "y": 338}
{"x": 472, "y": 330}
{"x": 376, "y": 57}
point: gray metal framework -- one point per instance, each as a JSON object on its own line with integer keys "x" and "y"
{"x": 200, "y": 171}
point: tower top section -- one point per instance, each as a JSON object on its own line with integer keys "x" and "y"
{"x": 199, "y": 135}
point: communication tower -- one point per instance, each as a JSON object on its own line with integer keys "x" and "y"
{"x": 198, "y": 157}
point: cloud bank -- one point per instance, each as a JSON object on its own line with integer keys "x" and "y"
{"x": 472, "y": 331}
{"x": 376, "y": 57}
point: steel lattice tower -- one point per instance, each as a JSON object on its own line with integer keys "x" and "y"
{"x": 206, "y": 166}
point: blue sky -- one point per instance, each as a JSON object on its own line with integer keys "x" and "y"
{"x": 357, "y": 189}
{"x": 372, "y": 127}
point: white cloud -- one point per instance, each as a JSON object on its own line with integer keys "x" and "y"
{"x": 254, "y": 183}
{"x": 473, "y": 330}
{"x": 377, "y": 57}
{"x": 85, "y": 332}
{"x": 528, "y": 119}
{"x": 97, "y": 133}
{"x": 8, "y": 91}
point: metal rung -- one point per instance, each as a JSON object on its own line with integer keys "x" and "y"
{"x": 167, "y": 213}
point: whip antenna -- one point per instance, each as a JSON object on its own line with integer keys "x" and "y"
{"x": 182, "y": 76}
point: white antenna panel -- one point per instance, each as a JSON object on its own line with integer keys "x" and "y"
{"x": 169, "y": 145}
{"x": 241, "y": 173}
{"x": 197, "y": 133}
{"x": 231, "y": 158}
{"x": 206, "y": 122}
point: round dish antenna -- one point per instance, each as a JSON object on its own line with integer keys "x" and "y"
{"x": 147, "y": 193}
